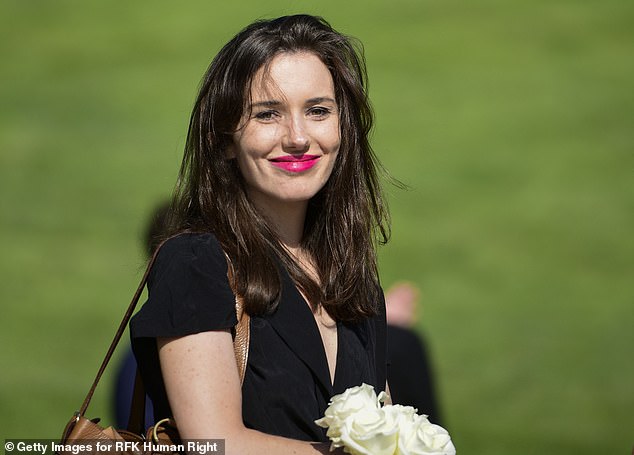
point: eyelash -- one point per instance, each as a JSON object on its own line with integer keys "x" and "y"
{"x": 265, "y": 115}
{"x": 318, "y": 112}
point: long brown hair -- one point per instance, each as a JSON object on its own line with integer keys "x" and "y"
{"x": 344, "y": 221}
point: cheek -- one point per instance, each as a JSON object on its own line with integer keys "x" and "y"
{"x": 248, "y": 166}
{"x": 257, "y": 141}
{"x": 330, "y": 137}
{"x": 251, "y": 151}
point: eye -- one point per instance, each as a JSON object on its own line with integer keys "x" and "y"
{"x": 266, "y": 116}
{"x": 319, "y": 112}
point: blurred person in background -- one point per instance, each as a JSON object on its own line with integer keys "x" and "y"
{"x": 410, "y": 370}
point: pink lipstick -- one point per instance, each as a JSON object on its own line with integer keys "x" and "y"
{"x": 295, "y": 163}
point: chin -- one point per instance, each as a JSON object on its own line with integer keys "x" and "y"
{"x": 274, "y": 196}
{"x": 296, "y": 193}
{"x": 295, "y": 198}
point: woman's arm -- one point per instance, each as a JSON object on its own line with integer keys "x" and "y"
{"x": 203, "y": 387}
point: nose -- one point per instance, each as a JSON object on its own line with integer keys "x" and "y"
{"x": 296, "y": 138}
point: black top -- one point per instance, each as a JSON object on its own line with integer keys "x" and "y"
{"x": 287, "y": 382}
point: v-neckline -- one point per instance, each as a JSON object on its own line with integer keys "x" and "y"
{"x": 332, "y": 376}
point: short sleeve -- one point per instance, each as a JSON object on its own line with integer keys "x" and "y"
{"x": 188, "y": 290}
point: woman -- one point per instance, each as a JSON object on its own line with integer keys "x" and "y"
{"x": 279, "y": 181}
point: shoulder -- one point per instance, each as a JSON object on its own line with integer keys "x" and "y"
{"x": 188, "y": 289}
{"x": 198, "y": 250}
{"x": 190, "y": 245}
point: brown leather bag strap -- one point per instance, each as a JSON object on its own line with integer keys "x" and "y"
{"x": 119, "y": 333}
{"x": 240, "y": 344}
{"x": 241, "y": 332}
{"x": 241, "y": 337}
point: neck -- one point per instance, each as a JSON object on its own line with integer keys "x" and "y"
{"x": 287, "y": 219}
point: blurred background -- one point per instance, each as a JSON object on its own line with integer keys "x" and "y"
{"x": 512, "y": 123}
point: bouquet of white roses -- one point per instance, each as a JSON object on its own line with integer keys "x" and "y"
{"x": 357, "y": 422}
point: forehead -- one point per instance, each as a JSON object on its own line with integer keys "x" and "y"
{"x": 292, "y": 75}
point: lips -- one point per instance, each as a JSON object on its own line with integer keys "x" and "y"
{"x": 295, "y": 163}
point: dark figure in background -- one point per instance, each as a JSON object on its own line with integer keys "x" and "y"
{"x": 410, "y": 373}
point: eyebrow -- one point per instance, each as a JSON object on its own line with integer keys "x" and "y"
{"x": 268, "y": 103}
{"x": 273, "y": 103}
{"x": 320, "y": 99}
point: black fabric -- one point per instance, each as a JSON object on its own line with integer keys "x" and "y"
{"x": 287, "y": 383}
{"x": 411, "y": 374}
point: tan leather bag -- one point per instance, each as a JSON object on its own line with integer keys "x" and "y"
{"x": 163, "y": 434}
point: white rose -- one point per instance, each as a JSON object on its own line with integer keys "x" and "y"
{"x": 357, "y": 422}
{"x": 421, "y": 437}
{"x": 400, "y": 414}
{"x": 344, "y": 405}
{"x": 368, "y": 432}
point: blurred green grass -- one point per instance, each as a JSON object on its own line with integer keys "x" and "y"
{"x": 510, "y": 121}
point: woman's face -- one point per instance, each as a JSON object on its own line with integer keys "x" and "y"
{"x": 286, "y": 148}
